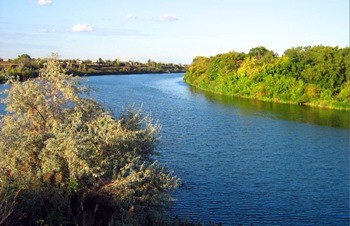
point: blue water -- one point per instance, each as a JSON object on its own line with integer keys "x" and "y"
{"x": 242, "y": 161}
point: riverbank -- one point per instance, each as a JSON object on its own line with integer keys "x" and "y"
{"x": 310, "y": 76}
{"x": 332, "y": 106}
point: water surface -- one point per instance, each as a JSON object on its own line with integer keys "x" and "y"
{"x": 243, "y": 161}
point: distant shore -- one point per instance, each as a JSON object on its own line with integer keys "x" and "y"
{"x": 25, "y": 67}
{"x": 122, "y": 73}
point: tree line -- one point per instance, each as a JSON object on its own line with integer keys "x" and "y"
{"x": 313, "y": 75}
{"x": 24, "y": 67}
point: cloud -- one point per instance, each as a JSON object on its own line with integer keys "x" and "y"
{"x": 44, "y": 30}
{"x": 44, "y": 2}
{"x": 130, "y": 16}
{"x": 164, "y": 17}
{"x": 82, "y": 28}
{"x": 118, "y": 32}
{"x": 168, "y": 17}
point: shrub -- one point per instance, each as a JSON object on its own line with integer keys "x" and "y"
{"x": 64, "y": 159}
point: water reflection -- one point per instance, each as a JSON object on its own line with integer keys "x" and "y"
{"x": 323, "y": 117}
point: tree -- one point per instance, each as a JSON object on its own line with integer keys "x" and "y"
{"x": 116, "y": 62}
{"x": 66, "y": 159}
{"x": 24, "y": 60}
{"x": 87, "y": 62}
{"x": 100, "y": 61}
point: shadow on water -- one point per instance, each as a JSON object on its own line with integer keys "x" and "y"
{"x": 304, "y": 114}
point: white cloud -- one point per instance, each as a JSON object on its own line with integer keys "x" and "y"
{"x": 44, "y": 30}
{"x": 82, "y": 28}
{"x": 168, "y": 17}
{"x": 130, "y": 16}
{"x": 163, "y": 17}
{"x": 44, "y": 2}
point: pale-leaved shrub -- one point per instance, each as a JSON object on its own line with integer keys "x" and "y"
{"x": 67, "y": 160}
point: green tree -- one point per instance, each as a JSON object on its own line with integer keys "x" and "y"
{"x": 262, "y": 53}
{"x": 65, "y": 159}
{"x": 87, "y": 62}
{"x": 24, "y": 60}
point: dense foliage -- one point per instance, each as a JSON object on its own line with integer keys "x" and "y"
{"x": 64, "y": 159}
{"x": 315, "y": 76}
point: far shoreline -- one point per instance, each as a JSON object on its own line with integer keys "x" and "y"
{"x": 124, "y": 73}
{"x": 24, "y": 67}
{"x": 108, "y": 74}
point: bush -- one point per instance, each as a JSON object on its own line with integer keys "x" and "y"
{"x": 64, "y": 159}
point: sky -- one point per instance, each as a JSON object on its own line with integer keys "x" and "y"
{"x": 173, "y": 31}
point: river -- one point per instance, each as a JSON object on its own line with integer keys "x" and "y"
{"x": 242, "y": 161}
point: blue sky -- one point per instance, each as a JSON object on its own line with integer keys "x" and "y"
{"x": 167, "y": 30}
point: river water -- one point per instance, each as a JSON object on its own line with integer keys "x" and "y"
{"x": 242, "y": 161}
